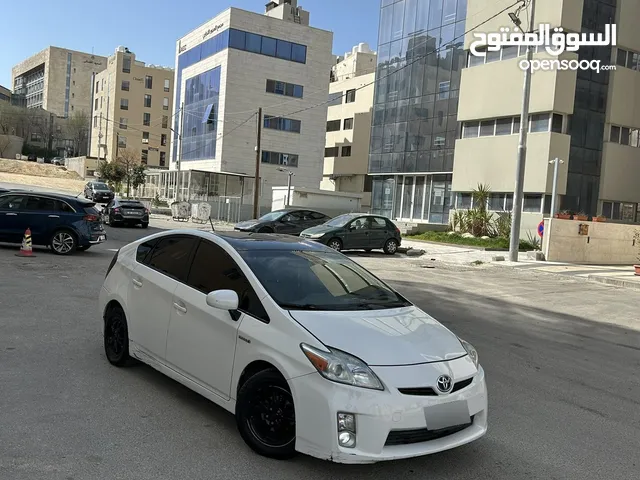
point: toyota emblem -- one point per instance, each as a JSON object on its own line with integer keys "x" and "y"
{"x": 444, "y": 383}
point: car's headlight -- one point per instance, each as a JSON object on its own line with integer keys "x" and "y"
{"x": 473, "y": 353}
{"x": 314, "y": 235}
{"x": 341, "y": 367}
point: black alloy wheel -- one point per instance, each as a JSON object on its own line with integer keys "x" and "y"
{"x": 265, "y": 415}
{"x": 116, "y": 338}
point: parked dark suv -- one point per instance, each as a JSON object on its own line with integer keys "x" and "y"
{"x": 131, "y": 212}
{"x": 357, "y": 231}
{"x": 289, "y": 220}
{"x": 99, "y": 192}
{"x": 62, "y": 222}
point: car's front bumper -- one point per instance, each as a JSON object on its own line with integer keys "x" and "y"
{"x": 378, "y": 413}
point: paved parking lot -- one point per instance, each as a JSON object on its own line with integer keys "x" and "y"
{"x": 562, "y": 358}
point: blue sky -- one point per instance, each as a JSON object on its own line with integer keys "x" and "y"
{"x": 150, "y": 28}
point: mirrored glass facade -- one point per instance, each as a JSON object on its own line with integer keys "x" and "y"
{"x": 201, "y": 102}
{"x": 414, "y": 125}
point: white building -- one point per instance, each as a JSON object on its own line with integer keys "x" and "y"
{"x": 349, "y": 124}
{"x": 237, "y": 62}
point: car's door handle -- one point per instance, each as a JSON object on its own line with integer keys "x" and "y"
{"x": 12, "y": 214}
{"x": 54, "y": 216}
{"x": 179, "y": 306}
{"x": 137, "y": 283}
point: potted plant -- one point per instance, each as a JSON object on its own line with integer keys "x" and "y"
{"x": 636, "y": 241}
{"x": 599, "y": 218}
{"x": 581, "y": 216}
{"x": 564, "y": 215}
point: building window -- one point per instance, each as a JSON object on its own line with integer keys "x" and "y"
{"x": 148, "y": 81}
{"x": 147, "y": 101}
{"x": 348, "y": 124}
{"x": 624, "y": 136}
{"x": 36, "y": 137}
{"x": 146, "y": 119}
{"x": 73, "y": 95}
{"x": 470, "y": 129}
{"x": 350, "y": 96}
{"x": 163, "y": 159}
{"x": 97, "y": 86}
{"x": 330, "y": 152}
{"x": 443, "y": 90}
{"x": 487, "y": 128}
{"x": 123, "y": 123}
{"x": 96, "y": 105}
{"x": 463, "y": 201}
{"x": 335, "y": 99}
{"x": 504, "y": 126}
{"x": 95, "y": 121}
{"x": 122, "y": 141}
{"x": 126, "y": 65}
{"x": 615, "y": 134}
{"x": 269, "y": 46}
{"x": 165, "y": 103}
{"x": 284, "y": 124}
{"x": 124, "y": 104}
{"x": 166, "y": 84}
{"x": 277, "y": 158}
{"x": 165, "y": 121}
{"x": 621, "y": 57}
{"x": 163, "y": 139}
{"x": 346, "y": 151}
{"x": 283, "y": 88}
{"x": 333, "y": 125}
{"x": 144, "y": 158}
{"x": 539, "y": 123}
{"x": 532, "y": 203}
{"x": 145, "y": 137}
{"x": 124, "y": 85}
{"x": 556, "y": 123}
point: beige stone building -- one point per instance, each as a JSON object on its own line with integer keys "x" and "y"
{"x": 132, "y": 109}
{"x": 57, "y": 80}
{"x": 349, "y": 124}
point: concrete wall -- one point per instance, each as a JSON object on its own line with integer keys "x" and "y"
{"x": 605, "y": 243}
{"x": 10, "y": 146}
{"x": 83, "y": 166}
{"x": 329, "y": 203}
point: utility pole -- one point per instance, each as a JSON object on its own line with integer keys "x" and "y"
{"x": 179, "y": 161}
{"x": 290, "y": 173}
{"x": 554, "y": 192}
{"x": 50, "y": 142}
{"x": 518, "y": 194}
{"x": 256, "y": 183}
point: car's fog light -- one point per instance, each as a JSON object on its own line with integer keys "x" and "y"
{"x": 347, "y": 439}
{"x": 347, "y": 430}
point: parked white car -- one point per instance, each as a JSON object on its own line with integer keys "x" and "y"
{"x": 309, "y": 350}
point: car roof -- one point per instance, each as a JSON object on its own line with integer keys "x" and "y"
{"x": 58, "y": 196}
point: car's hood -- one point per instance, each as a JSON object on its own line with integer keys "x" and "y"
{"x": 399, "y": 336}
{"x": 320, "y": 229}
{"x": 247, "y": 224}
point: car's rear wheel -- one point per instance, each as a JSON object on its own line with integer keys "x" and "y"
{"x": 63, "y": 242}
{"x": 391, "y": 246}
{"x": 335, "y": 243}
{"x": 265, "y": 415}
{"x": 116, "y": 337}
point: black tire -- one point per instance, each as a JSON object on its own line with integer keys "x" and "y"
{"x": 84, "y": 248}
{"x": 265, "y": 230}
{"x": 258, "y": 397}
{"x": 145, "y": 225}
{"x": 63, "y": 242}
{"x": 368, "y": 250}
{"x": 116, "y": 337}
{"x": 336, "y": 244}
{"x": 391, "y": 246}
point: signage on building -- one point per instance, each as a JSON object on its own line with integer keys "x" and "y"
{"x": 212, "y": 30}
{"x": 181, "y": 48}
{"x": 137, "y": 79}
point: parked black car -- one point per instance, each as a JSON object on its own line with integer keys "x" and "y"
{"x": 62, "y": 222}
{"x": 32, "y": 157}
{"x": 357, "y": 231}
{"x": 128, "y": 212}
{"x": 291, "y": 221}
{"x": 99, "y": 192}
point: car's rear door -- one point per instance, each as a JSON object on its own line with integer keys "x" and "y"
{"x": 150, "y": 293}
{"x": 10, "y": 211}
{"x": 40, "y": 215}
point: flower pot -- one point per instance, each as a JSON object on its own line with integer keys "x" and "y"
{"x": 637, "y": 267}
{"x": 581, "y": 218}
{"x": 563, "y": 216}
{"x": 599, "y": 219}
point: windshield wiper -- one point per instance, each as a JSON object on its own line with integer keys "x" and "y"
{"x": 300, "y": 306}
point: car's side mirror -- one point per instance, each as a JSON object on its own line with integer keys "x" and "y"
{"x": 224, "y": 300}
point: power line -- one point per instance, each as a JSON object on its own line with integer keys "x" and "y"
{"x": 220, "y": 136}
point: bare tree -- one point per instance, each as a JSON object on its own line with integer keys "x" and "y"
{"x": 5, "y": 141}
{"x": 9, "y": 119}
{"x": 129, "y": 159}
{"x": 77, "y": 130}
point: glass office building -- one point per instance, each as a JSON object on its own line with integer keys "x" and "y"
{"x": 414, "y": 126}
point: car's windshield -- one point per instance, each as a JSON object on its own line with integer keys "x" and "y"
{"x": 100, "y": 186}
{"x": 271, "y": 216}
{"x": 340, "y": 221}
{"x": 312, "y": 280}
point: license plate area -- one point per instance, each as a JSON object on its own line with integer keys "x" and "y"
{"x": 445, "y": 415}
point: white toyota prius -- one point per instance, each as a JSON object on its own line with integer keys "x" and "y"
{"x": 309, "y": 350}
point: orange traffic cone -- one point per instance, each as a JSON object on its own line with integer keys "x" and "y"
{"x": 26, "y": 249}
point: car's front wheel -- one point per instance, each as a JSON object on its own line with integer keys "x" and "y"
{"x": 63, "y": 242}
{"x": 116, "y": 337}
{"x": 145, "y": 224}
{"x": 265, "y": 415}
{"x": 335, "y": 243}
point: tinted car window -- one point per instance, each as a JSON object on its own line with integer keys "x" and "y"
{"x": 214, "y": 269}
{"x": 171, "y": 256}
{"x": 378, "y": 223}
{"x": 142, "y": 253}
{"x": 100, "y": 187}
{"x": 359, "y": 223}
{"x": 317, "y": 216}
{"x": 293, "y": 217}
{"x": 40, "y": 203}
{"x": 11, "y": 202}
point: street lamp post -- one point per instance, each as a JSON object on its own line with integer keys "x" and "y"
{"x": 290, "y": 174}
{"x": 554, "y": 189}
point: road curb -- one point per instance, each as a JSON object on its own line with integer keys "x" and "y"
{"x": 616, "y": 282}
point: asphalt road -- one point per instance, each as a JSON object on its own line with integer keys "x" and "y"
{"x": 562, "y": 359}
